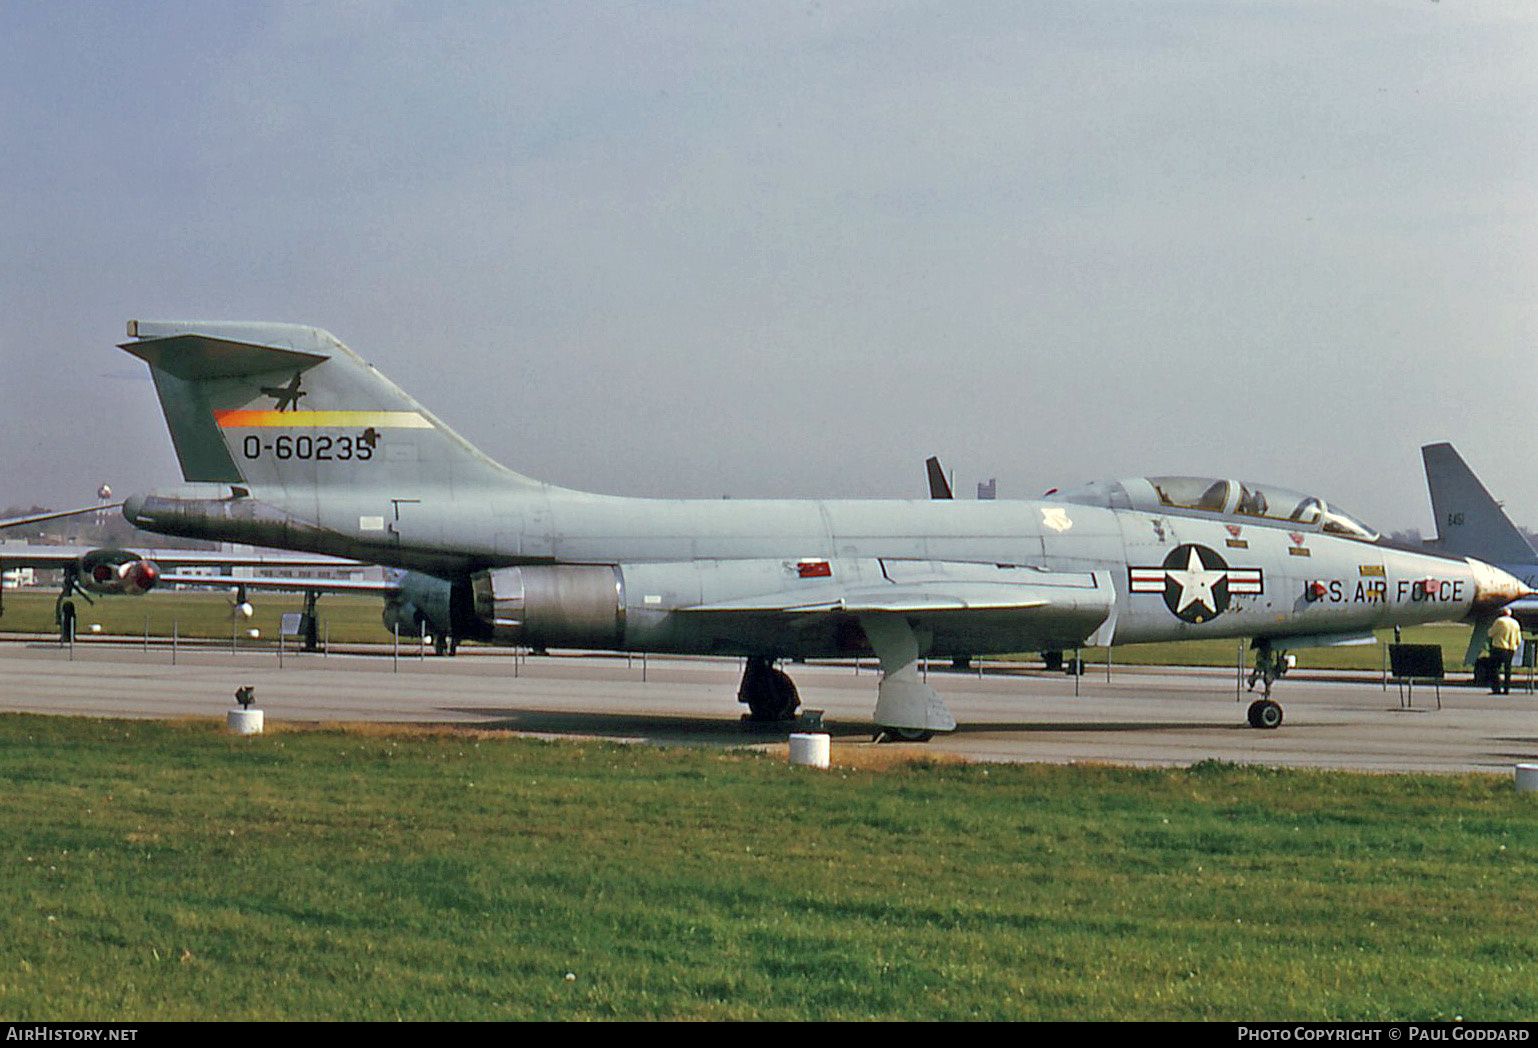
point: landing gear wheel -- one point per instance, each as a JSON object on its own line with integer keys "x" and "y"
{"x": 904, "y": 735}
{"x": 769, "y": 693}
{"x": 1265, "y": 714}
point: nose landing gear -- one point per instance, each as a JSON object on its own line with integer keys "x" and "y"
{"x": 1270, "y": 665}
{"x": 1265, "y": 713}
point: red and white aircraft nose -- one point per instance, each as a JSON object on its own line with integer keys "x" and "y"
{"x": 139, "y": 576}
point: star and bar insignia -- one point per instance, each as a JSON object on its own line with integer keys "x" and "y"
{"x": 1196, "y": 582}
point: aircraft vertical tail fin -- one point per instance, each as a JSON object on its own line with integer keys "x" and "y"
{"x": 291, "y": 407}
{"x": 1470, "y": 523}
{"x": 939, "y": 487}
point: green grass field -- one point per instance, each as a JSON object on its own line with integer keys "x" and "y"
{"x": 195, "y": 613}
{"x": 169, "y": 871}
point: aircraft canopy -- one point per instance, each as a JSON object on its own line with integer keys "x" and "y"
{"x": 1240, "y": 500}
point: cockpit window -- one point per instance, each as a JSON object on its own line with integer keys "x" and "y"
{"x": 1192, "y": 493}
{"x": 1252, "y": 502}
{"x": 1232, "y": 498}
{"x": 1307, "y": 511}
{"x": 1338, "y": 523}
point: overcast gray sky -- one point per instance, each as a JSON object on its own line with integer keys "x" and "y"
{"x": 791, "y": 249}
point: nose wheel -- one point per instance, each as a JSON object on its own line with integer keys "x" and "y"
{"x": 1264, "y": 713}
{"x": 1270, "y": 665}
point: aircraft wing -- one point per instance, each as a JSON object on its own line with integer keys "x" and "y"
{"x": 1015, "y": 601}
{"x": 374, "y": 587}
{"x": 38, "y": 556}
{"x": 106, "y": 572}
{"x": 38, "y": 518}
{"x": 976, "y": 598}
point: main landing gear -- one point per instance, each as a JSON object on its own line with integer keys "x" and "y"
{"x": 906, "y": 710}
{"x": 64, "y": 615}
{"x": 1270, "y": 665}
{"x": 769, "y": 693}
{"x": 902, "y": 735}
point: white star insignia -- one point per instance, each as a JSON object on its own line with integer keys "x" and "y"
{"x": 1196, "y": 583}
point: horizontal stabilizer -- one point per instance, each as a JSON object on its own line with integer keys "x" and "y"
{"x": 194, "y": 357}
{"x": 206, "y": 349}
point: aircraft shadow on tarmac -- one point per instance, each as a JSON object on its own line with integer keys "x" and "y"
{"x": 721, "y": 731}
{"x": 652, "y": 727}
{"x": 1097, "y": 727}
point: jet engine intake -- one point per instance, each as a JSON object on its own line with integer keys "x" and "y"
{"x": 404, "y": 617}
{"x": 423, "y": 600}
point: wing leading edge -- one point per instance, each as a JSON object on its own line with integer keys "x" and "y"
{"x": 1015, "y": 606}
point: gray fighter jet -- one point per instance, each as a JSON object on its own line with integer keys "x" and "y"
{"x": 1471, "y": 523}
{"x": 364, "y": 471}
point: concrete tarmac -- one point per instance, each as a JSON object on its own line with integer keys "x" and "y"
{"x": 1137, "y": 716}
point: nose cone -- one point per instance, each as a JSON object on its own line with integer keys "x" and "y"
{"x": 133, "y": 507}
{"x": 1494, "y": 588}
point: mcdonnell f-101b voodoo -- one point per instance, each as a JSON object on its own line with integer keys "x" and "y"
{"x": 289, "y": 439}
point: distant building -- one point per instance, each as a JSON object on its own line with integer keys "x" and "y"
{"x": 16, "y": 576}
{"x": 988, "y": 489}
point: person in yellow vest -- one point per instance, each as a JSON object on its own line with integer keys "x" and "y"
{"x": 1505, "y": 639}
